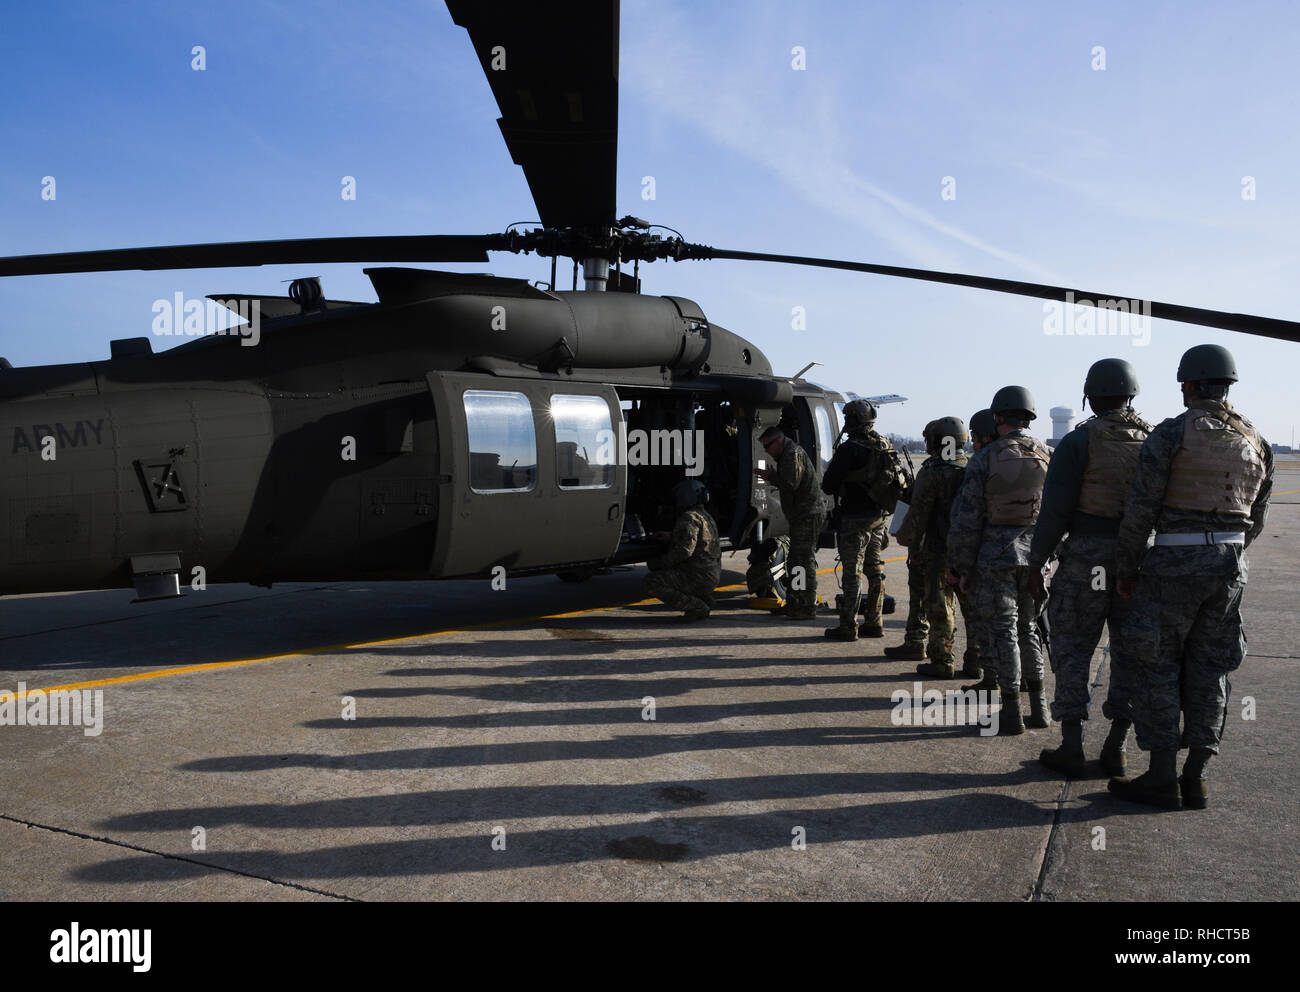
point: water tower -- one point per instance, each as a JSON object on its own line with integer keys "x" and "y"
{"x": 1061, "y": 417}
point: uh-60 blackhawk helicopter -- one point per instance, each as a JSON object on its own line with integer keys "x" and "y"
{"x": 461, "y": 423}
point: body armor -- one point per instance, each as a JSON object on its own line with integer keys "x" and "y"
{"x": 1013, "y": 491}
{"x": 1220, "y": 467}
{"x": 1114, "y": 440}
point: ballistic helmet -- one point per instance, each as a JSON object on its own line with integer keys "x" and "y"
{"x": 858, "y": 414}
{"x": 1207, "y": 361}
{"x": 688, "y": 493}
{"x": 982, "y": 424}
{"x": 1111, "y": 377}
{"x": 1010, "y": 398}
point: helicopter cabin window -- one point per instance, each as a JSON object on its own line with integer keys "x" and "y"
{"x": 502, "y": 443}
{"x": 584, "y": 442}
{"x": 825, "y": 436}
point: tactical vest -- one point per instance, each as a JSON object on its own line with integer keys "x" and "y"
{"x": 1220, "y": 467}
{"x": 1114, "y": 441}
{"x": 1013, "y": 491}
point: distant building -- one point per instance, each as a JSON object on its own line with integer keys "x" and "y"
{"x": 1061, "y": 417}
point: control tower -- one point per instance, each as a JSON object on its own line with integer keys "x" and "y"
{"x": 1061, "y": 417}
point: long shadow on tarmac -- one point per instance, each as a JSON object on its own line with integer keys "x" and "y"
{"x": 618, "y": 748}
{"x": 518, "y": 802}
{"x": 675, "y": 838}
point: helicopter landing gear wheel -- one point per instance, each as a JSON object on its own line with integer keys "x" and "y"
{"x": 766, "y": 576}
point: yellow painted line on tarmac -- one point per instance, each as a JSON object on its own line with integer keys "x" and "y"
{"x": 332, "y": 648}
{"x": 1289, "y": 492}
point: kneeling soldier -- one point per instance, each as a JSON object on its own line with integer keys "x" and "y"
{"x": 686, "y": 575}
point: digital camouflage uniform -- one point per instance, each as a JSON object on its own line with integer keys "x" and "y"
{"x": 1089, "y": 477}
{"x": 1002, "y": 483}
{"x": 925, "y": 532}
{"x": 686, "y": 575}
{"x": 1206, "y": 470}
{"x": 797, "y": 482}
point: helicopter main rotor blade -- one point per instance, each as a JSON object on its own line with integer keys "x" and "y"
{"x": 553, "y": 69}
{"x": 1269, "y": 327}
{"x": 402, "y": 248}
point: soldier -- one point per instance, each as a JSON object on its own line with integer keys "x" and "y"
{"x": 686, "y": 575}
{"x": 992, "y": 524}
{"x": 918, "y": 626}
{"x": 1091, "y": 472}
{"x": 925, "y": 534}
{"x": 796, "y": 479}
{"x": 983, "y": 432}
{"x": 1203, "y": 483}
{"x": 859, "y": 476}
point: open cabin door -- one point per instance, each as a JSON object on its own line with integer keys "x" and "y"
{"x": 530, "y": 476}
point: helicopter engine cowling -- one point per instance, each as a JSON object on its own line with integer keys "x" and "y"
{"x": 583, "y": 330}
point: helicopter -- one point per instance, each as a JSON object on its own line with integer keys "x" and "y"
{"x": 462, "y": 425}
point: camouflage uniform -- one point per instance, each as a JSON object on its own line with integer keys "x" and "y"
{"x": 863, "y": 531}
{"x": 918, "y": 626}
{"x": 1184, "y": 627}
{"x": 801, "y": 505}
{"x": 686, "y": 575}
{"x": 925, "y": 531}
{"x": 999, "y": 555}
{"x": 1091, "y": 472}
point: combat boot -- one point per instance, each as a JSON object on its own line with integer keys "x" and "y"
{"x": 988, "y": 682}
{"x": 1195, "y": 793}
{"x": 1069, "y": 757}
{"x": 696, "y": 613}
{"x": 841, "y": 633}
{"x": 1010, "y": 721}
{"x": 871, "y": 630}
{"x": 1038, "y": 718}
{"x": 906, "y": 652}
{"x": 1156, "y": 787}
{"x": 936, "y": 669}
{"x": 1113, "y": 759}
{"x": 970, "y": 665}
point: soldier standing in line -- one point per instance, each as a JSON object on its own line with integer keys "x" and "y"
{"x": 796, "y": 479}
{"x": 992, "y": 524}
{"x": 1091, "y": 473}
{"x": 983, "y": 432}
{"x": 925, "y": 534}
{"x": 918, "y": 626}
{"x": 686, "y": 575}
{"x": 862, "y": 475}
{"x": 1203, "y": 483}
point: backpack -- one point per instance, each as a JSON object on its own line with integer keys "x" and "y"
{"x": 892, "y": 479}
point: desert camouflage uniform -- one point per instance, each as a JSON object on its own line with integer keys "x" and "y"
{"x": 797, "y": 482}
{"x": 685, "y": 575}
{"x": 1184, "y": 627}
{"x": 999, "y": 556}
{"x": 1084, "y": 598}
{"x": 926, "y": 532}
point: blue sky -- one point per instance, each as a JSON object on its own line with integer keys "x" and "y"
{"x": 1126, "y": 180}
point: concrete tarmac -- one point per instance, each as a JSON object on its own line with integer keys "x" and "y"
{"x": 403, "y": 741}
